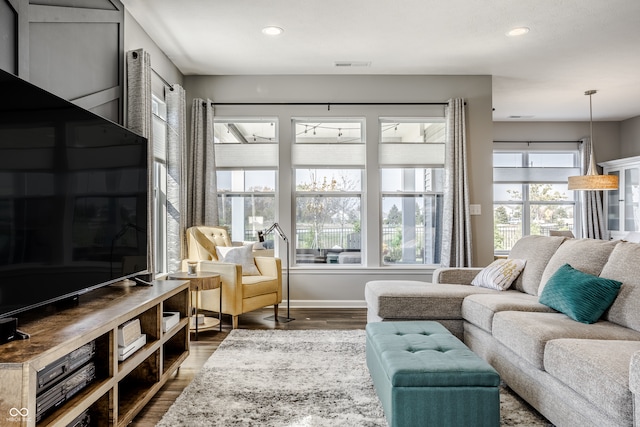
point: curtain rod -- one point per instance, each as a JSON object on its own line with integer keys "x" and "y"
{"x": 160, "y": 77}
{"x": 329, "y": 104}
{"x": 536, "y": 142}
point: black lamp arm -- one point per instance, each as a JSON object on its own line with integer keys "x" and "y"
{"x": 267, "y": 231}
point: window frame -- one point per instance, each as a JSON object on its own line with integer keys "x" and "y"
{"x": 413, "y": 156}
{"x": 525, "y": 186}
{"x": 222, "y": 194}
{"x": 160, "y": 184}
{"x": 261, "y": 155}
{"x": 351, "y": 155}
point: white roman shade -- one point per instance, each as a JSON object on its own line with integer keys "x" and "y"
{"x": 533, "y": 175}
{"x": 329, "y": 155}
{"x": 246, "y": 155}
{"x": 159, "y": 124}
{"x": 408, "y": 155}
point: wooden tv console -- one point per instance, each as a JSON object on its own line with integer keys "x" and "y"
{"x": 120, "y": 389}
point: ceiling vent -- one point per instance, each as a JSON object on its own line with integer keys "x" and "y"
{"x": 349, "y": 64}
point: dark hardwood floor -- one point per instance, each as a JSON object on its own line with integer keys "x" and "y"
{"x": 309, "y": 318}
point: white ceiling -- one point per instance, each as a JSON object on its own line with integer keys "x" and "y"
{"x": 572, "y": 46}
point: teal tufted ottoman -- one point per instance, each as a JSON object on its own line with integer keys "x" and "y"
{"x": 424, "y": 376}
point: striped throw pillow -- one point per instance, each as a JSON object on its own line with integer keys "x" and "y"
{"x": 500, "y": 274}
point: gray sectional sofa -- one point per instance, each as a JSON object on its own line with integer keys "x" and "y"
{"x": 573, "y": 373}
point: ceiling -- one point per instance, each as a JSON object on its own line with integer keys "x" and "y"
{"x": 572, "y": 45}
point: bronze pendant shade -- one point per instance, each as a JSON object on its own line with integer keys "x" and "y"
{"x": 592, "y": 180}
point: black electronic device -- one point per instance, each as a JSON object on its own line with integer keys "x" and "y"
{"x": 64, "y": 390}
{"x": 64, "y": 366}
{"x": 82, "y": 420}
{"x": 8, "y": 328}
{"x": 73, "y": 204}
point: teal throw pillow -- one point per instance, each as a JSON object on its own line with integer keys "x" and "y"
{"x": 581, "y": 296}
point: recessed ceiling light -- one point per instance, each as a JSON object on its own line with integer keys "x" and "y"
{"x": 272, "y": 31}
{"x": 518, "y": 31}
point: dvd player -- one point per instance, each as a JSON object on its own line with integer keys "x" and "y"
{"x": 64, "y": 366}
{"x": 62, "y": 391}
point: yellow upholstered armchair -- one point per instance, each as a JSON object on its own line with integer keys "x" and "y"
{"x": 258, "y": 284}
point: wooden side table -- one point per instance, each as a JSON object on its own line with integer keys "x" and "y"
{"x": 201, "y": 281}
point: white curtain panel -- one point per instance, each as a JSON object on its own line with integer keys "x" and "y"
{"x": 139, "y": 120}
{"x": 176, "y": 176}
{"x": 593, "y": 226}
{"x": 202, "y": 195}
{"x": 456, "y": 228}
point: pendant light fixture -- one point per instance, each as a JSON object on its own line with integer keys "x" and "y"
{"x": 593, "y": 181}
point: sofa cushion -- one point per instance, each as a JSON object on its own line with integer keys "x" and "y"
{"x": 479, "y": 309}
{"x": 500, "y": 274}
{"x": 581, "y": 296}
{"x": 593, "y": 370}
{"x": 586, "y": 255}
{"x": 457, "y": 275}
{"x": 623, "y": 266}
{"x": 536, "y": 251}
{"x": 634, "y": 374}
{"x": 526, "y": 334}
{"x": 408, "y": 299}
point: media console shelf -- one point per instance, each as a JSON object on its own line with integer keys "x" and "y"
{"x": 120, "y": 389}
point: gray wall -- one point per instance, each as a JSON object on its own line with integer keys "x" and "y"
{"x": 8, "y": 36}
{"x": 75, "y": 49}
{"x": 327, "y": 286}
{"x": 68, "y": 47}
{"x": 606, "y": 135}
{"x": 630, "y": 137}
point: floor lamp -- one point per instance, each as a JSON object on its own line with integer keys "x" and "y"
{"x": 283, "y": 236}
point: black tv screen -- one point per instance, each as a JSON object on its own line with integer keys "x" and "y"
{"x": 73, "y": 199}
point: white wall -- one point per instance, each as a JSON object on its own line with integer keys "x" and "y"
{"x": 335, "y": 286}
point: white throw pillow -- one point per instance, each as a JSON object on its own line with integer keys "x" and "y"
{"x": 242, "y": 255}
{"x": 500, "y": 274}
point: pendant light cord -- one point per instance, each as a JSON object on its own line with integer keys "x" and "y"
{"x": 592, "y": 169}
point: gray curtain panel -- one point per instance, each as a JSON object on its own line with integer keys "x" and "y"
{"x": 456, "y": 227}
{"x": 176, "y": 176}
{"x": 593, "y": 226}
{"x": 139, "y": 120}
{"x": 202, "y": 195}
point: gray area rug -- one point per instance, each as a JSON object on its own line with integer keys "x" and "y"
{"x": 295, "y": 379}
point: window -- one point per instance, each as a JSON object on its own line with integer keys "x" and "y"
{"x": 328, "y": 157}
{"x": 530, "y": 191}
{"x": 411, "y": 154}
{"x": 159, "y": 135}
{"x": 246, "y": 201}
{"x": 246, "y": 152}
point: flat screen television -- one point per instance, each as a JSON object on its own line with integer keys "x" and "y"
{"x": 73, "y": 199}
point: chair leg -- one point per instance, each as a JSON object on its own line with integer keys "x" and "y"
{"x": 234, "y": 322}
{"x": 275, "y": 312}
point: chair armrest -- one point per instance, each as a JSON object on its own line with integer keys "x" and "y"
{"x": 269, "y": 266}
{"x": 634, "y": 375}
{"x": 453, "y": 275}
{"x": 230, "y": 275}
